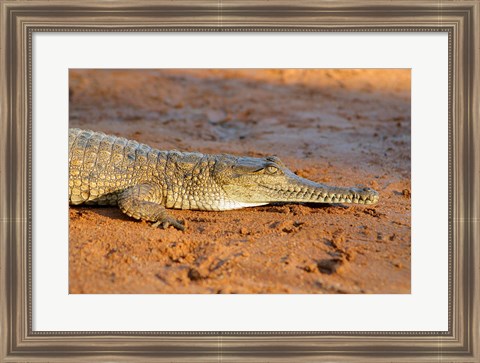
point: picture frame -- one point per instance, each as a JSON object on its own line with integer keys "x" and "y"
{"x": 20, "y": 19}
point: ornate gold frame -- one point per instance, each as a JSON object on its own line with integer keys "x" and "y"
{"x": 20, "y": 19}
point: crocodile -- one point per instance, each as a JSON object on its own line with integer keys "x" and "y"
{"x": 144, "y": 181}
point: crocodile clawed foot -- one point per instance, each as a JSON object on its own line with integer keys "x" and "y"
{"x": 165, "y": 223}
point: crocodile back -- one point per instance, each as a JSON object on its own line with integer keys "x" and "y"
{"x": 101, "y": 166}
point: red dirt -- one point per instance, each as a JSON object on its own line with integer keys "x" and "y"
{"x": 338, "y": 127}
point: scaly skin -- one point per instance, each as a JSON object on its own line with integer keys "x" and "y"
{"x": 142, "y": 181}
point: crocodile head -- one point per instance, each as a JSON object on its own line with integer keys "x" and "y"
{"x": 248, "y": 181}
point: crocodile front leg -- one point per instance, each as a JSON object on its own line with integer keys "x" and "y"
{"x": 142, "y": 201}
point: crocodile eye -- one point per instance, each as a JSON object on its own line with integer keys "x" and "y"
{"x": 271, "y": 169}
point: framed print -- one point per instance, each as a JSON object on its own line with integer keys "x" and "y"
{"x": 284, "y": 182}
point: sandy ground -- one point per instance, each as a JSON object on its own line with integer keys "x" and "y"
{"x": 338, "y": 127}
